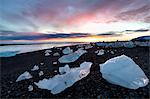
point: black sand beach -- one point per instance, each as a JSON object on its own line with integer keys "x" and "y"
{"x": 92, "y": 86}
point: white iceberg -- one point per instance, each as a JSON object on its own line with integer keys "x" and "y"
{"x": 100, "y": 52}
{"x": 25, "y": 75}
{"x": 67, "y": 50}
{"x": 60, "y": 82}
{"x": 123, "y": 71}
{"x": 72, "y": 56}
{"x": 35, "y": 68}
{"x": 65, "y": 69}
{"x": 30, "y": 88}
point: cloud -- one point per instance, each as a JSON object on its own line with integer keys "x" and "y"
{"x": 141, "y": 30}
{"x": 35, "y": 15}
{"x": 110, "y": 34}
{"x": 12, "y": 35}
{"x": 140, "y": 14}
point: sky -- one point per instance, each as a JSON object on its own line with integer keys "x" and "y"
{"x": 93, "y": 20}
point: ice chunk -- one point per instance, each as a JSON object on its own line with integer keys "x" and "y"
{"x": 72, "y": 56}
{"x": 64, "y": 69}
{"x": 100, "y": 52}
{"x": 123, "y": 71}
{"x": 129, "y": 44}
{"x": 54, "y": 63}
{"x": 35, "y": 68}
{"x": 30, "y": 88}
{"x": 112, "y": 52}
{"x": 88, "y": 46}
{"x": 67, "y": 50}
{"x": 42, "y": 63}
{"x": 41, "y": 73}
{"x": 59, "y": 48}
{"x": 60, "y": 82}
{"x": 56, "y": 54}
{"x": 48, "y": 51}
{"x": 25, "y": 75}
{"x": 47, "y": 54}
{"x": 80, "y": 46}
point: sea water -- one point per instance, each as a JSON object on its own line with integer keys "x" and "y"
{"x": 12, "y": 50}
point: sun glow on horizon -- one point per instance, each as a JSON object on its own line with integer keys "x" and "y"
{"x": 97, "y": 28}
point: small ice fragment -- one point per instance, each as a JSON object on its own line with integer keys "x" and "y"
{"x": 8, "y": 91}
{"x": 41, "y": 73}
{"x": 67, "y": 50}
{"x": 112, "y": 52}
{"x": 48, "y": 51}
{"x": 30, "y": 88}
{"x": 59, "y": 48}
{"x": 54, "y": 63}
{"x": 25, "y": 75}
{"x": 129, "y": 44}
{"x": 56, "y": 54}
{"x": 35, "y": 68}
{"x": 80, "y": 46}
{"x": 100, "y": 52}
{"x": 47, "y": 54}
{"x": 42, "y": 63}
{"x": 88, "y": 46}
{"x": 72, "y": 56}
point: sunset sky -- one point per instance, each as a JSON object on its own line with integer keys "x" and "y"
{"x": 93, "y": 20}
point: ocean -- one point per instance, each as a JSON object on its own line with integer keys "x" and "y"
{"x": 12, "y": 50}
